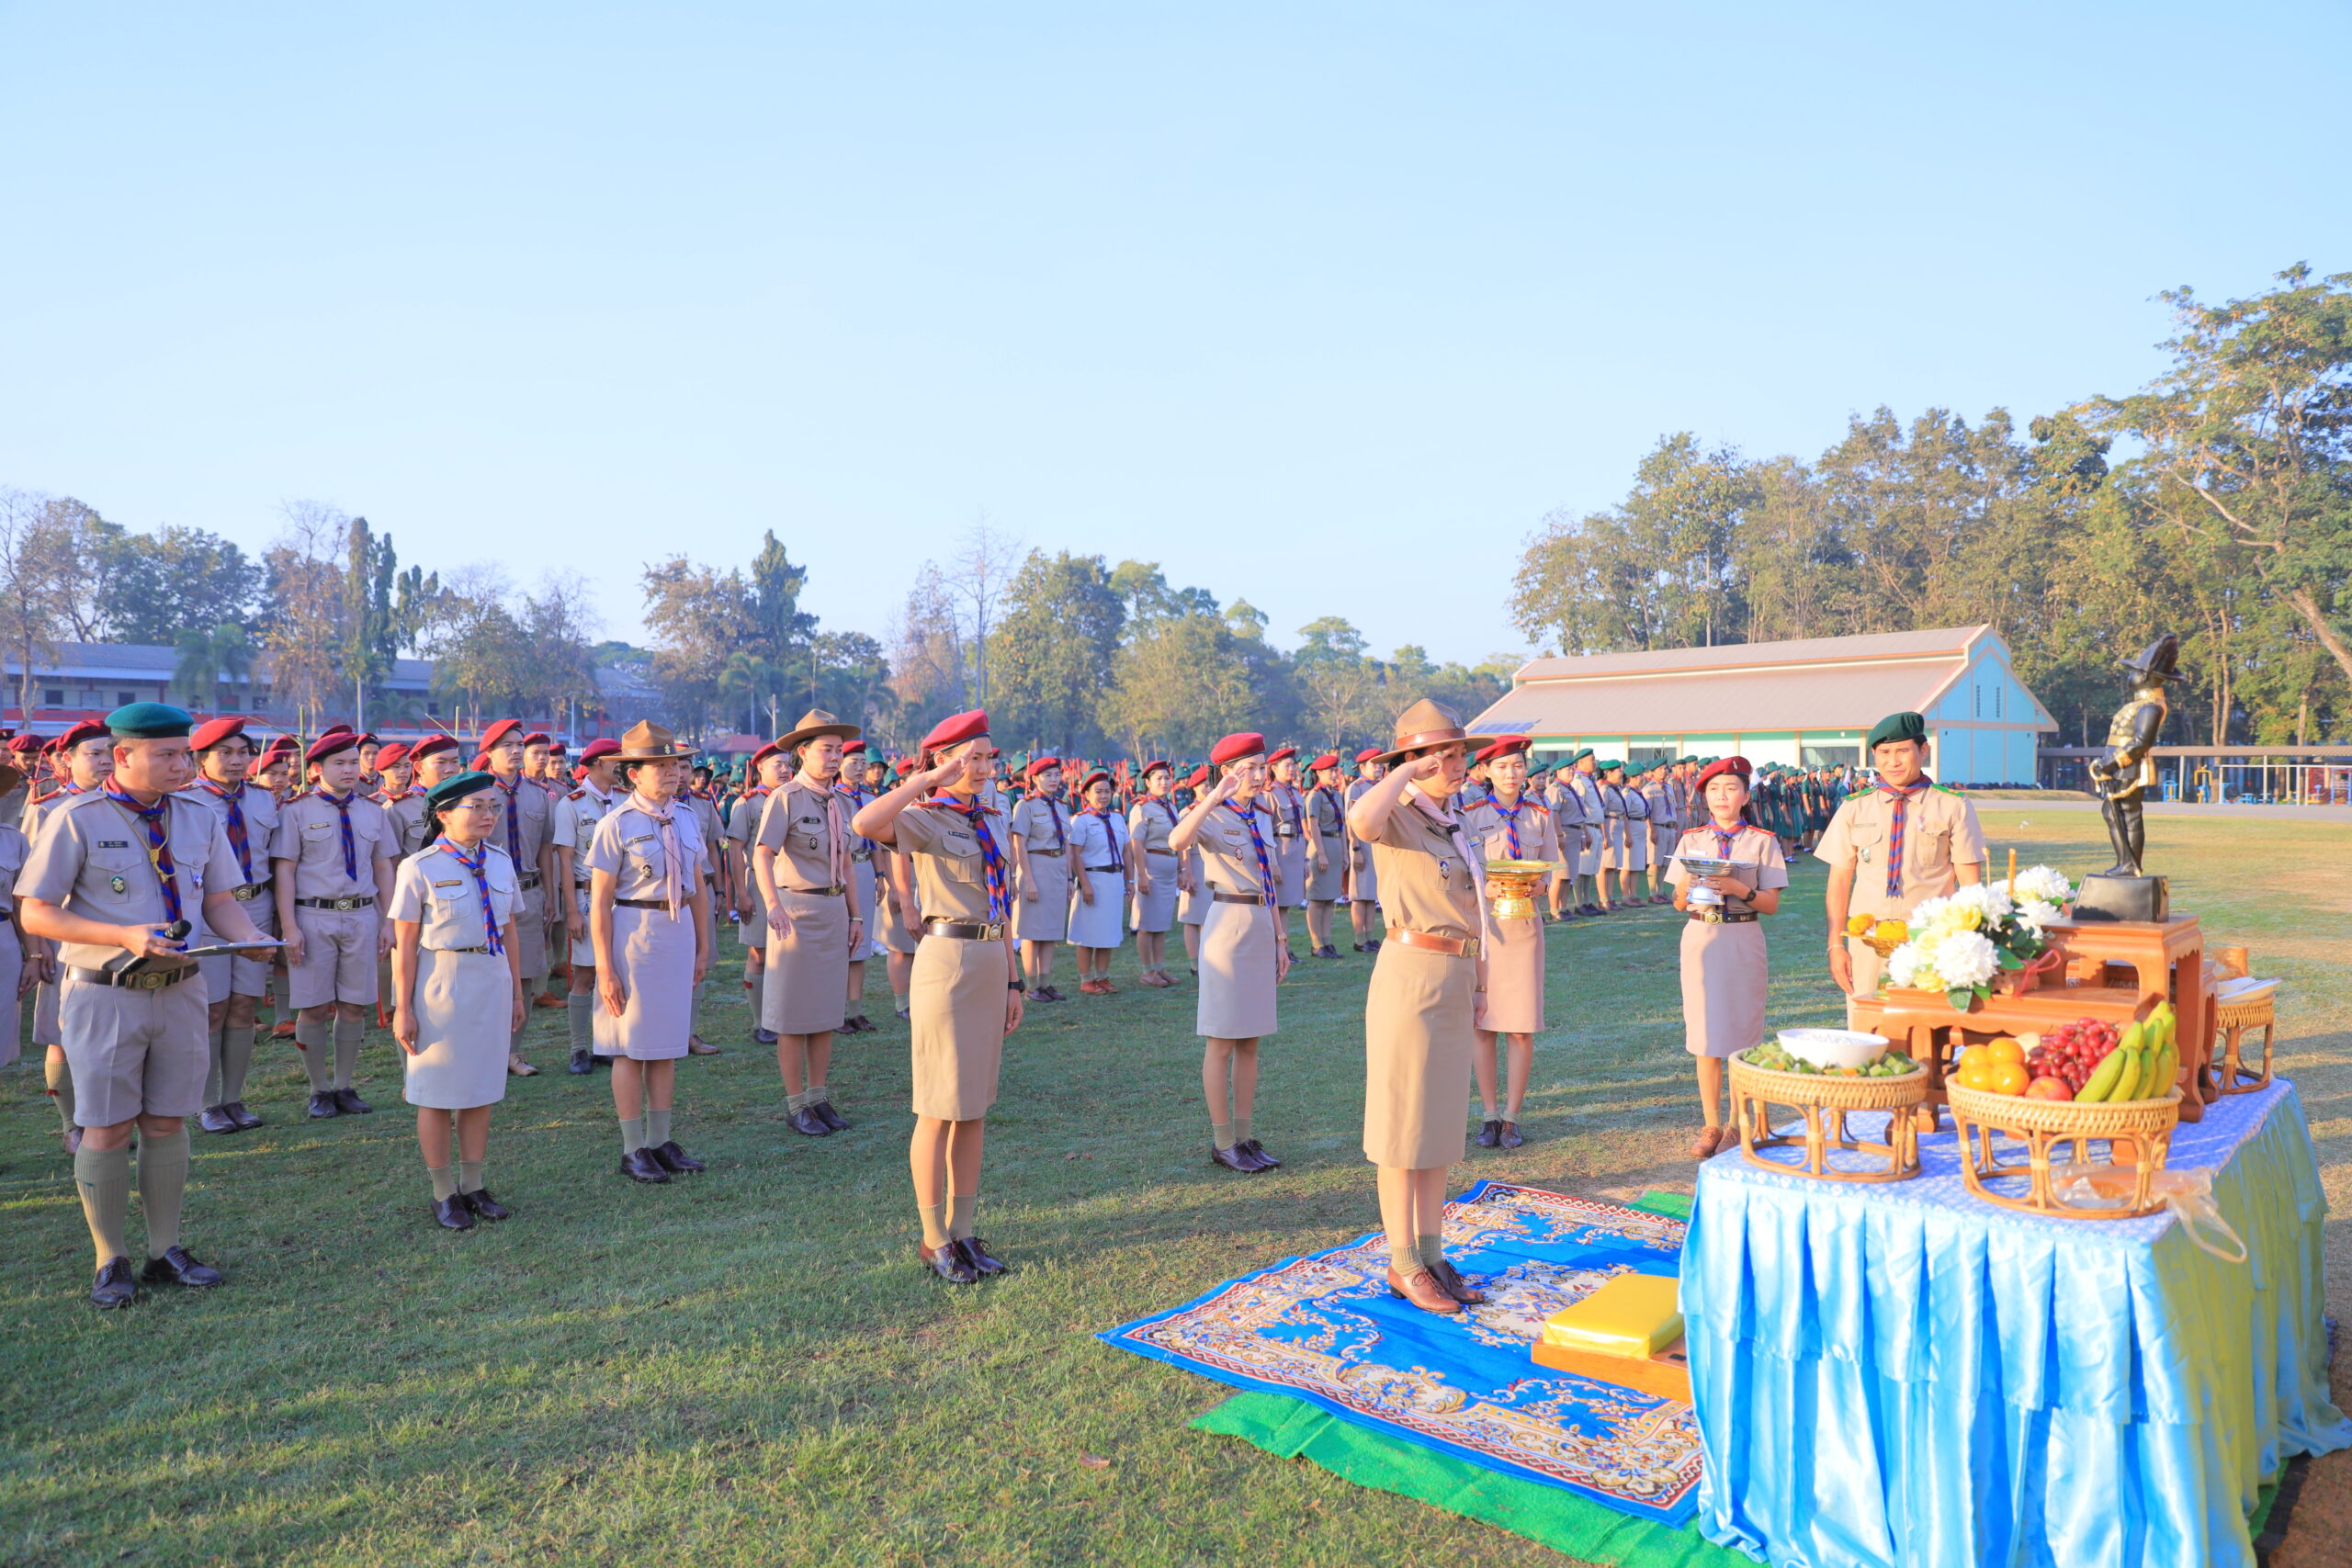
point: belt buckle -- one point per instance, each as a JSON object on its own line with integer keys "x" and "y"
{"x": 1714, "y": 915}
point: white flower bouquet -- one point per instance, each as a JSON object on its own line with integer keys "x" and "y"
{"x": 1960, "y": 942}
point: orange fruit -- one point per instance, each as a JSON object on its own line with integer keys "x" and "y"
{"x": 1974, "y": 1056}
{"x": 1974, "y": 1077}
{"x": 2006, "y": 1049}
{"x": 2010, "y": 1077}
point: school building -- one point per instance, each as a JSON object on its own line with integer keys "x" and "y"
{"x": 1807, "y": 702}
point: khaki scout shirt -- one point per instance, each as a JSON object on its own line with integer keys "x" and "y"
{"x": 1228, "y": 860}
{"x": 1287, "y": 807}
{"x": 1044, "y": 823}
{"x": 310, "y": 833}
{"x": 1150, "y": 821}
{"x": 951, "y": 873}
{"x": 571, "y": 825}
{"x": 92, "y": 860}
{"x": 412, "y": 826}
{"x": 1939, "y": 833}
{"x": 1327, "y": 818}
{"x": 522, "y": 826}
{"x": 627, "y": 845}
{"x": 438, "y": 893}
{"x": 1489, "y": 833}
{"x": 799, "y": 826}
{"x": 1426, "y": 880}
{"x": 260, "y": 810}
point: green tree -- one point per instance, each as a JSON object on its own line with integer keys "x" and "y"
{"x": 1179, "y": 685}
{"x": 177, "y": 579}
{"x": 1052, "y": 648}
{"x": 209, "y": 661}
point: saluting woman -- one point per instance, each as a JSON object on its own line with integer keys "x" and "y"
{"x": 1191, "y": 892}
{"x": 1149, "y": 821}
{"x": 457, "y": 988}
{"x": 1509, "y": 824}
{"x": 1725, "y": 972}
{"x": 1427, "y": 995}
{"x": 1245, "y": 952}
{"x": 649, "y": 917}
{"x": 968, "y": 991}
{"x": 1105, "y": 866}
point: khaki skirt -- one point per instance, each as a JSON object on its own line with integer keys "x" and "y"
{"x": 1156, "y": 910}
{"x": 1328, "y": 885}
{"x": 957, "y": 1005}
{"x": 1514, "y": 975}
{"x": 1236, "y": 1000}
{"x": 655, "y": 956}
{"x": 899, "y": 930}
{"x": 1290, "y": 872}
{"x": 463, "y": 1002}
{"x": 861, "y": 874}
{"x": 1367, "y": 878}
{"x": 1417, "y": 1058}
{"x": 1723, "y": 981}
{"x": 808, "y": 982}
{"x": 1192, "y": 908}
{"x": 1046, "y": 918}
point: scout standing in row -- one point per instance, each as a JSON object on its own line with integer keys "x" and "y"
{"x": 1245, "y": 952}
{"x": 1325, "y": 828}
{"x": 1047, "y": 867}
{"x": 764, "y": 775}
{"x": 967, "y": 994}
{"x": 862, "y": 870}
{"x": 800, "y": 857}
{"x": 1509, "y": 824}
{"x": 648, "y": 922}
{"x": 1192, "y": 893}
{"x": 1364, "y": 871}
{"x": 457, "y": 990}
{"x": 572, "y": 826}
{"x": 1428, "y": 997}
{"x": 1106, "y": 868}
{"x": 1288, "y": 807}
{"x": 234, "y": 983}
{"x": 1726, "y": 974}
{"x": 81, "y": 759}
{"x": 523, "y": 833}
{"x": 118, "y": 875}
{"x": 1149, "y": 822}
{"x": 331, "y": 864}
{"x": 16, "y": 977}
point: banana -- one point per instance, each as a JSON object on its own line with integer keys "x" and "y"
{"x": 2135, "y": 1066}
{"x": 2102, "y": 1079}
{"x": 2167, "y": 1069}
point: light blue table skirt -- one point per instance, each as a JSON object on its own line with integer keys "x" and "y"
{"x": 1903, "y": 1374}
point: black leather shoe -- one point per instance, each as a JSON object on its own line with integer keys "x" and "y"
{"x": 1511, "y": 1138}
{"x": 824, "y": 1112}
{"x": 675, "y": 1160}
{"x": 949, "y": 1263}
{"x": 1449, "y": 1280}
{"x": 581, "y": 1063}
{"x": 216, "y": 1119}
{"x": 484, "y": 1206}
{"x": 350, "y": 1104}
{"x": 176, "y": 1268}
{"x": 1490, "y": 1132}
{"x": 1327, "y": 951}
{"x": 639, "y": 1165}
{"x": 323, "y": 1104}
{"x": 453, "y": 1214}
{"x": 1234, "y": 1159}
{"x": 115, "y": 1286}
{"x": 1258, "y": 1150}
{"x": 976, "y": 1253}
{"x": 764, "y": 1037}
{"x": 1373, "y": 946}
{"x": 807, "y": 1123}
{"x": 246, "y": 1120}
{"x": 1359, "y": 947}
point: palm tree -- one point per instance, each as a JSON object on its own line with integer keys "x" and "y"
{"x": 210, "y": 660}
{"x": 750, "y": 681}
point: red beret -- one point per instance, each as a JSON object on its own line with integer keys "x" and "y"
{"x": 603, "y": 745}
{"x": 430, "y": 744}
{"x": 1200, "y": 777}
{"x": 280, "y": 745}
{"x": 338, "y": 728}
{"x": 1088, "y": 782}
{"x": 1325, "y": 760}
{"x": 88, "y": 730}
{"x": 1152, "y": 767}
{"x": 1366, "y": 755}
{"x": 1505, "y": 746}
{"x": 392, "y": 755}
{"x": 762, "y": 754}
{"x": 1040, "y": 766}
{"x": 1234, "y": 747}
{"x": 213, "y": 731}
{"x": 339, "y": 738}
{"x": 956, "y": 728}
{"x": 497, "y": 732}
{"x": 1724, "y": 765}
{"x": 1274, "y": 757}
{"x": 26, "y": 744}
{"x": 480, "y": 764}
{"x": 536, "y": 737}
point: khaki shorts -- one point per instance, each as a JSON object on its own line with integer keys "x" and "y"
{"x": 338, "y": 958}
{"x": 135, "y": 1053}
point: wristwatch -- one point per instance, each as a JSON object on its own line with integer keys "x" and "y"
{"x": 1021, "y": 986}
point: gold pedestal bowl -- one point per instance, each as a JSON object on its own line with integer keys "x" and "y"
{"x": 1511, "y": 884}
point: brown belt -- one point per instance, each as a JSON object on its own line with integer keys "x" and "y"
{"x": 965, "y": 931}
{"x": 814, "y": 892}
{"x": 646, "y": 903}
{"x": 1715, "y": 917}
{"x": 250, "y": 891}
{"x": 1238, "y": 897}
{"x": 146, "y": 980}
{"x": 1452, "y": 946}
{"x": 363, "y": 901}
{"x": 1106, "y": 868}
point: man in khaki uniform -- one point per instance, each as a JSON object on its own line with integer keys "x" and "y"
{"x": 1325, "y": 824}
{"x": 331, "y": 864}
{"x": 763, "y": 775}
{"x": 235, "y": 984}
{"x": 431, "y": 760}
{"x": 522, "y": 832}
{"x": 1893, "y": 847}
{"x": 79, "y": 760}
{"x": 1364, "y": 876}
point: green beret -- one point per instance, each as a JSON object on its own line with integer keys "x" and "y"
{"x": 1577, "y": 758}
{"x": 149, "y": 721}
{"x": 1611, "y": 766}
{"x": 1897, "y": 726}
{"x": 450, "y": 791}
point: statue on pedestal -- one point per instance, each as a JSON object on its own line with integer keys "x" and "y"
{"x": 2121, "y": 775}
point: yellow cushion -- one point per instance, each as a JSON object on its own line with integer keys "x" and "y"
{"x": 1633, "y": 1314}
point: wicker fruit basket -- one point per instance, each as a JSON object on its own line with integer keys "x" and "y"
{"x": 2137, "y": 1134}
{"x": 1825, "y": 1100}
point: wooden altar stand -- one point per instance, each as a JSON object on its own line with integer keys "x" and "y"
{"x": 2115, "y": 971}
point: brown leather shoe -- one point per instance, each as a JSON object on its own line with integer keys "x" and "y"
{"x": 1421, "y": 1289}
{"x": 1233, "y": 1158}
{"x": 698, "y": 1046}
{"x": 1450, "y": 1280}
{"x": 1710, "y": 1139}
{"x": 518, "y": 1068}
{"x": 1265, "y": 1160}
{"x": 808, "y": 1124}
{"x": 948, "y": 1263}
{"x": 548, "y": 999}
{"x": 976, "y": 1253}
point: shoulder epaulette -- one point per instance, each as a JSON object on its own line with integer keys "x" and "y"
{"x": 1947, "y": 789}
{"x": 576, "y": 794}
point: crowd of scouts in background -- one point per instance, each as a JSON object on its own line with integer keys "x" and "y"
{"x": 449, "y": 888}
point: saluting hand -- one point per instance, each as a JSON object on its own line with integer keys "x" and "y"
{"x": 1427, "y": 765}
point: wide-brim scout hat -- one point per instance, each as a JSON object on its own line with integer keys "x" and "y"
{"x": 1426, "y": 724}
{"x": 646, "y": 741}
{"x": 817, "y": 722}
{"x": 2158, "y": 658}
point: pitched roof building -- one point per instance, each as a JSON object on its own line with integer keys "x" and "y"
{"x": 1808, "y": 702}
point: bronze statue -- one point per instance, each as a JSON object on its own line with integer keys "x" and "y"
{"x": 2127, "y": 768}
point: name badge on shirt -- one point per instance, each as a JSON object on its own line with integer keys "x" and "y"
{"x": 114, "y": 843}
{"x": 448, "y": 884}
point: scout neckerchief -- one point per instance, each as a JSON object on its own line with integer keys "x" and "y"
{"x": 159, "y": 846}
{"x": 235, "y": 799}
{"x": 856, "y": 800}
{"x": 1894, "y": 832}
{"x": 1167, "y": 803}
{"x": 343, "y": 803}
{"x": 1054, "y": 810}
{"x": 1248, "y": 815}
{"x": 479, "y": 864}
{"x": 1509, "y": 814}
{"x": 1110, "y": 828}
{"x": 999, "y": 901}
{"x": 1330, "y": 798}
{"x": 674, "y": 880}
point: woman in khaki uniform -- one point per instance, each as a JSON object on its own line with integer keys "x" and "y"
{"x": 857, "y": 763}
{"x": 1363, "y": 871}
{"x": 1509, "y": 824}
{"x": 1245, "y": 952}
{"x": 1325, "y": 825}
{"x": 1288, "y": 807}
{"x": 1725, "y": 972}
{"x": 966, "y": 994}
{"x": 1047, "y": 863}
{"x": 457, "y": 990}
{"x": 764, "y": 775}
{"x": 1192, "y": 899}
{"x": 1106, "y": 867}
{"x": 800, "y": 858}
{"x": 1427, "y": 995}
{"x": 1149, "y": 821}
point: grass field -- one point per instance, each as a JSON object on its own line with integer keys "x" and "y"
{"x": 748, "y": 1367}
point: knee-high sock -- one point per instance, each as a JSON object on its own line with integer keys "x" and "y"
{"x": 59, "y": 1075}
{"x": 102, "y": 1177}
{"x": 214, "y": 1069}
{"x": 632, "y": 1133}
{"x": 1429, "y": 1248}
{"x": 311, "y": 1037}
{"x": 694, "y": 1009}
{"x": 236, "y": 1055}
{"x": 580, "y": 1014}
{"x": 759, "y": 999}
{"x": 163, "y": 1182}
{"x": 348, "y": 1033}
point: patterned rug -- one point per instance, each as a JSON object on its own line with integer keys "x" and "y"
{"x": 1326, "y": 1329}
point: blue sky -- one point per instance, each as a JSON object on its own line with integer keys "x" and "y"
{"x": 1319, "y": 305}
